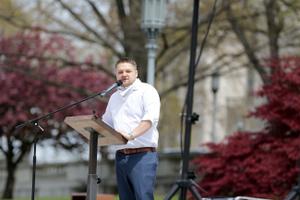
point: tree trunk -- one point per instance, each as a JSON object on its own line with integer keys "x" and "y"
{"x": 134, "y": 40}
{"x": 12, "y": 161}
{"x": 10, "y": 180}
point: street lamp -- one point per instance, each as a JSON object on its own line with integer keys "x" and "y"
{"x": 214, "y": 88}
{"x": 153, "y": 20}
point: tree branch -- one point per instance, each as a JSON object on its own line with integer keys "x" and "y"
{"x": 25, "y": 148}
{"x": 121, "y": 9}
{"x": 240, "y": 34}
{"x": 51, "y": 83}
{"x": 173, "y": 44}
{"x": 88, "y": 28}
{"x": 184, "y": 82}
{"x": 103, "y": 21}
{"x": 28, "y": 27}
{"x": 64, "y": 62}
{"x": 274, "y": 29}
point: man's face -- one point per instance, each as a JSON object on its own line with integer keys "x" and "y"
{"x": 127, "y": 73}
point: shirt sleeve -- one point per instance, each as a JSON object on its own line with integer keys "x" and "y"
{"x": 107, "y": 117}
{"x": 151, "y": 105}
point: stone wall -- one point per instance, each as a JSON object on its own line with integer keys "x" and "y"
{"x": 61, "y": 179}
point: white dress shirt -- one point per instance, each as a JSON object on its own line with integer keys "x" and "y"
{"x": 127, "y": 107}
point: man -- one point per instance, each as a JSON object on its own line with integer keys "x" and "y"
{"x": 133, "y": 110}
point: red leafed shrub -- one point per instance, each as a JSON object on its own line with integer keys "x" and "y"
{"x": 283, "y": 94}
{"x": 250, "y": 164}
{"x": 263, "y": 164}
{"x": 29, "y": 79}
{"x": 36, "y": 77}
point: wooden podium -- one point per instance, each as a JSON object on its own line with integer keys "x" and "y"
{"x": 98, "y": 134}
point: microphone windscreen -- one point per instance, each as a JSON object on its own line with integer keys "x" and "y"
{"x": 119, "y": 82}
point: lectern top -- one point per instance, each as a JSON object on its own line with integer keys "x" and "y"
{"x": 85, "y": 124}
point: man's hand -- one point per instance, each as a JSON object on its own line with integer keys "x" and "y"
{"x": 128, "y": 136}
{"x": 138, "y": 131}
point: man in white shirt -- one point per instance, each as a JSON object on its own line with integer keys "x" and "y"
{"x": 133, "y": 110}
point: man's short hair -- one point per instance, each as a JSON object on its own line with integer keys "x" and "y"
{"x": 126, "y": 60}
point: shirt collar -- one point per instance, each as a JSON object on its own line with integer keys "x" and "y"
{"x": 125, "y": 90}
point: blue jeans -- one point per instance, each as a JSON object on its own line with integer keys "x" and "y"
{"x": 136, "y": 174}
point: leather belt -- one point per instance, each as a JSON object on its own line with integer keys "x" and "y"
{"x": 137, "y": 150}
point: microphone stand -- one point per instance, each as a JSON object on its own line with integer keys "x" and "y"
{"x": 186, "y": 182}
{"x": 36, "y": 138}
{"x": 35, "y": 123}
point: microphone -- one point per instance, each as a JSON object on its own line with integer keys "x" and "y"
{"x": 113, "y": 86}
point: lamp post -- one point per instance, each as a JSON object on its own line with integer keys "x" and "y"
{"x": 214, "y": 88}
{"x": 153, "y": 20}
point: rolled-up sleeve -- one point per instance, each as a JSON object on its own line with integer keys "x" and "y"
{"x": 106, "y": 117}
{"x": 151, "y": 102}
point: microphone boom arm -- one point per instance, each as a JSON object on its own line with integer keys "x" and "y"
{"x": 101, "y": 94}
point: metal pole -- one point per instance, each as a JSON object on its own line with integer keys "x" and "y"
{"x": 214, "y": 89}
{"x": 189, "y": 101}
{"x": 92, "y": 176}
{"x": 151, "y": 47}
{"x": 34, "y": 159}
{"x": 186, "y": 183}
{"x": 33, "y": 169}
{"x": 213, "y": 129}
